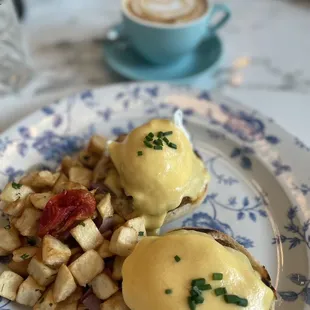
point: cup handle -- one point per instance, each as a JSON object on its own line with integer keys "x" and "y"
{"x": 219, "y": 8}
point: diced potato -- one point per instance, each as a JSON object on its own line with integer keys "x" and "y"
{"x": 24, "y": 253}
{"x": 58, "y": 186}
{"x": 39, "y": 200}
{"x": 15, "y": 191}
{"x": 103, "y": 286}
{"x": 105, "y": 207}
{"x": 87, "y": 235}
{"x": 9, "y": 238}
{"x": 104, "y": 250}
{"x": 112, "y": 181}
{"x": 123, "y": 241}
{"x": 80, "y": 175}
{"x": 46, "y": 301}
{"x": 54, "y": 252}
{"x": 97, "y": 144}
{"x": 9, "y": 284}
{"x": 117, "y": 268}
{"x": 28, "y": 222}
{"x": 42, "y": 274}
{"x": 64, "y": 284}
{"x": 124, "y": 207}
{"x": 72, "y": 185}
{"x": 138, "y": 224}
{"x": 89, "y": 159}
{"x": 86, "y": 267}
{"x": 101, "y": 169}
{"x": 4, "y": 252}
{"x": 68, "y": 162}
{"x": 116, "y": 302}
{"x": 66, "y": 305}
{"x": 15, "y": 208}
{"x": 44, "y": 179}
{"x": 29, "y": 292}
{"x": 19, "y": 268}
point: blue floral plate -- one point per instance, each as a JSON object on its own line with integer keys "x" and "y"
{"x": 260, "y": 188}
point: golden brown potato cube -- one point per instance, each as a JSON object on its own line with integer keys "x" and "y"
{"x": 66, "y": 305}
{"x": 138, "y": 224}
{"x": 87, "y": 235}
{"x": 88, "y": 159}
{"x": 39, "y": 200}
{"x": 86, "y": 267}
{"x": 4, "y": 252}
{"x": 97, "y": 144}
{"x": 105, "y": 207}
{"x": 9, "y": 284}
{"x": 44, "y": 179}
{"x": 59, "y": 185}
{"x": 115, "y": 302}
{"x": 42, "y": 274}
{"x": 101, "y": 169}
{"x": 24, "y": 253}
{"x": 29, "y": 292}
{"x": 15, "y": 208}
{"x": 9, "y": 238}
{"x": 112, "y": 181}
{"x": 103, "y": 286}
{"x": 54, "y": 252}
{"x": 80, "y": 175}
{"x": 28, "y": 222}
{"x": 117, "y": 268}
{"x": 15, "y": 191}
{"x": 64, "y": 284}
{"x": 68, "y": 162}
{"x": 19, "y": 268}
{"x": 104, "y": 250}
{"x": 46, "y": 302}
{"x": 123, "y": 241}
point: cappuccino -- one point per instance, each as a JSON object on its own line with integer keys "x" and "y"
{"x": 167, "y": 11}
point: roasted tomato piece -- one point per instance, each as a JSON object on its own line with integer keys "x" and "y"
{"x": 65, "y": 210}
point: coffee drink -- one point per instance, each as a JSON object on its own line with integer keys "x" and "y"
{"x": 167, "y": 11}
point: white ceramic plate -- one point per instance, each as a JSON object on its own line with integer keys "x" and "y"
{"x": 260, "y": 187}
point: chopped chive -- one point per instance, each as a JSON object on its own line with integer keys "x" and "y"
{"x": 168, "y": 291}
{"x": 205, "y": 287}
{"x": 172, "y": 145}
{"x": 177, "y": 258}
{"x": 151, "y": 135}
{"x": 195, "y": 291}
{"x": 191, "y": 303}
{"x": 141, "y": 233}
{"x": 199, "y": 299}
{"x": 139, "y": 153}
{"x": 158, "y": 142}
{"x": 234, "y": 299}
{"x": 82, "y": 224}
{"x": 198, "y": 282}
{"x": 220, "y": 291}
{"x": 157, "y": 147}
{"x": 16, "y": 185}
{"x": 147, "y": 144}
{"x": 160, "y": 134}
{"x": 7, "y": 227}
{"x": 24, "y": 256}
{"x": 167, "y": 133}
{"x": 166, "y": 140}
{"x": 148, "y": 138}
{"x": 243, "y": 302}
{"x": 217, "y": 276}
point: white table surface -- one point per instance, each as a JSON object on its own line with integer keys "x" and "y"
{"x": 266, "y": 63}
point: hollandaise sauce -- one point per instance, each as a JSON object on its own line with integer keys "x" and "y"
{"x": 188, "y": 270}
{"x": 158, "y": 168}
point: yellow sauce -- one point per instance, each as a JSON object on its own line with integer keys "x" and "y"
{"x": 159, "y": 179}
{"x": 151, "y": 269}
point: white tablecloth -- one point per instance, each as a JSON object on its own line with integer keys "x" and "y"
{"x": 266, "y": 63}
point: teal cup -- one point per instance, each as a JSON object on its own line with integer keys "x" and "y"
{"x": 164, "y": 44}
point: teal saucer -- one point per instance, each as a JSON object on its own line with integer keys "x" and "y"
{"x": 122, "y": 58}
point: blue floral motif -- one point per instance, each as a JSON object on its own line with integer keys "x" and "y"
{"x": 11, "y": 173}
{"x": 304, "y": 188}
{"x": 202, "y": 219}
{"x": 117, "y": 131}
{"x": 243, "y": 154}
{"x": 244, "y": 125}
{"x": 299, "y": 232}
{"x": 204, "y": 95}
{"x": 48, "y": 110}
{"x": 301, "y": 145}
{"x": 105, "y": 114}
{"x": 280, "y": 167}
{"x": 215, "y": 135}
{"x": 303, "y": 282}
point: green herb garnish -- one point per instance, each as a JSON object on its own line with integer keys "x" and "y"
{"x": 191, "y": 303}
{"x": 205, "y": 287}
{"x": 168, "y": 291}
{"x": 220, "y": 291}
{"x": 82, "y": 224}
{"x": 24, "y": 256}
{"x": 160, "y": 134}
{"x": 167, "y": 133}
{"x": 158, "y": 142}
{"x": 166, "y": 140}
{"x": 7, "y": 227}
{"x": 147, "y": 144}
{"x": 198, "y": 282}
{"x": 172, "y": 145}
{"x": 217, "y": 276}
{"x": 177, "y": 258}
{"x": 151, "y": 135}
{"x": 139, "y": 153}
{"x": 148, "y": 138}
{"x": 157, "y": 147}
{"x": 234, "y": 299}
{"x": 141, "y": 233}
{"x": 16, "y": 185}
{"x": 199, "y": 299}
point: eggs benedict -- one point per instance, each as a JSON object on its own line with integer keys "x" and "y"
{"x": 185, "y": 269}
{"x": 159, "y": 169}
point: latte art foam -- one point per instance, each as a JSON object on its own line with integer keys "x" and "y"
{"x": 167, "y": 11}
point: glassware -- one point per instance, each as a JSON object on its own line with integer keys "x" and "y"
{"x": 15, "y": 71}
